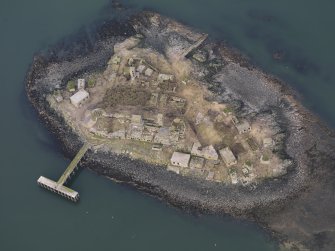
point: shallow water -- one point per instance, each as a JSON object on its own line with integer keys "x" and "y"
{"x": 111, "y": 216}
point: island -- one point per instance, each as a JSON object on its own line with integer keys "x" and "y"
{"x": 155, "y": 103}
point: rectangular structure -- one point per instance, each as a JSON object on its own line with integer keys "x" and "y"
{"x": 165, "y": 77}
{"x": 197, "y": 162}
{"x": 228, "y": 156}
{"x": 163, "y": 136}
{"x": 59, "y": 189}
{"x": 243, "y": 127}
{"x": 136, "y": 119}
{"x": 81, "y": 84}
{"x": 79, "y": 98}
{"x": 180, "y": 159}
{"x": 207, "y": 152}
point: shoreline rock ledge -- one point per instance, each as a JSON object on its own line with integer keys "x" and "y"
{"x": 296, "y": 208}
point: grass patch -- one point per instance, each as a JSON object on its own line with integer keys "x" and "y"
{"x": 248, "y": 163}
{"x": 228, "y": 110}
{"x": 232, "y": 171}
{"x": 126, "y": 96}
{"x": 265, "y": 157}
{"x": 71, "y": 85}
{"x": 91, "y": 83}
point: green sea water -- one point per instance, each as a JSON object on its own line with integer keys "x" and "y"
{"x": 113, "y": 216}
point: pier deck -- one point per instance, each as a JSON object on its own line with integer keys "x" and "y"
{"x": 58, "y": 187}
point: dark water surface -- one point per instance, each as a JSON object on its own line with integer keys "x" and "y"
{"x": 112, "y": 216}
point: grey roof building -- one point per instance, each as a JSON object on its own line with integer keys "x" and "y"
{"x": 197, "y": 162}
{"x": 228, "y": 156}
{"x": 207, "y": 152}
{"x": 163, "y": 136}
{"x": 243, "y": 127}
{"x": 79, "y": 98}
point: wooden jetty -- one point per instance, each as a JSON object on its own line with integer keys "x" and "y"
{"x": 58, "y": 187}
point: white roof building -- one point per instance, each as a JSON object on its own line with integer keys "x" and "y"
{"x": 79, "y": 98}
{"x": 180, "y": 159}
{"x": 165, "y": 77}
{"x": 228, "y": 156}
{"x": 234, "y": 178}
{"x": 81, "y": 84}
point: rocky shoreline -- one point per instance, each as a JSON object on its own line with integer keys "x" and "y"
{"x": 308, "y": 142}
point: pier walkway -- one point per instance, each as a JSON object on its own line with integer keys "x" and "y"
{"x": 73, "y": 165}
{"x": 58, "y": 187}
